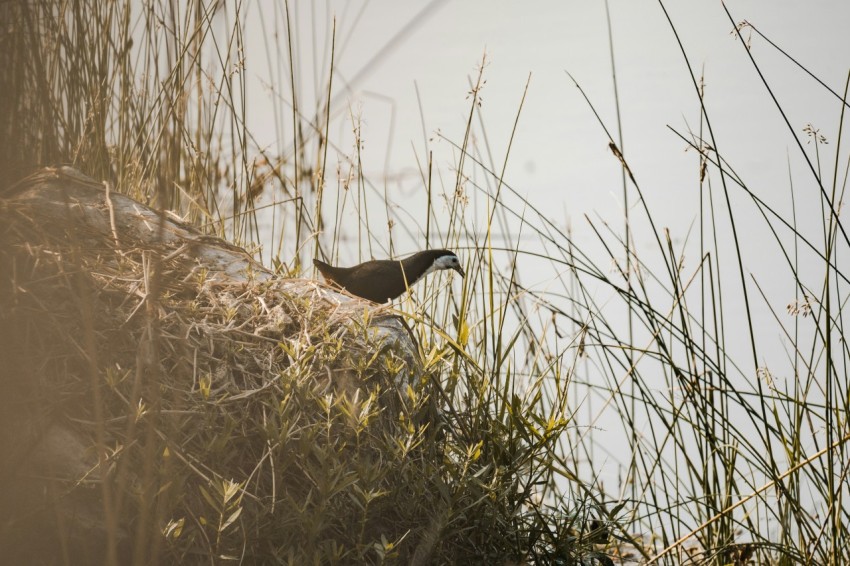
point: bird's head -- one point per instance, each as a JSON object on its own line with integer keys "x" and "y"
{"x": 448, "y": 260}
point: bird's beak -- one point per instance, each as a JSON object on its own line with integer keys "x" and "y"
{"x": 459, "y": 269}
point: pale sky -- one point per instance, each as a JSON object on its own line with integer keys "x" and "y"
{"x": 560, "y": 152}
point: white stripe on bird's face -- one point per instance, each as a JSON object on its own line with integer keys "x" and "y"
{"x": 445, "y": 262}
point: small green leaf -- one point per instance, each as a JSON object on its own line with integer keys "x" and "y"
{"x": 233, "y": 517}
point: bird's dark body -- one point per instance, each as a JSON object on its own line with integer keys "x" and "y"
{"x": 382, "y": 280}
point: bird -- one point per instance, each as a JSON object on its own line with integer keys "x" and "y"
{"x": 383, "y": 280}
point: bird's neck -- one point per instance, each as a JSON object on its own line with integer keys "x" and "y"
{"x": 415, "y": 268}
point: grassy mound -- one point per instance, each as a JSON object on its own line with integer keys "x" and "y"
{"x": 260, "y": 420}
